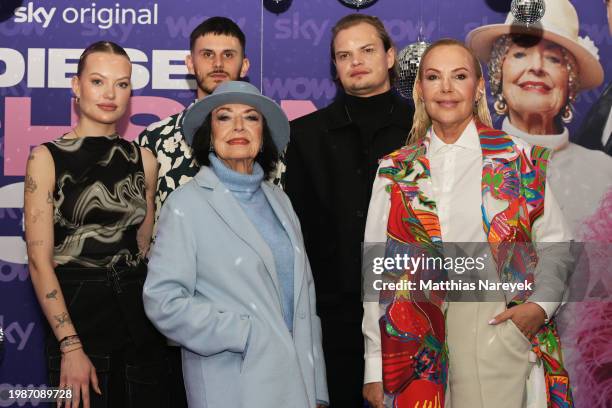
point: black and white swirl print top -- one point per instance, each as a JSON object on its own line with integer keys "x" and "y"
{"x": 99, "y": 201}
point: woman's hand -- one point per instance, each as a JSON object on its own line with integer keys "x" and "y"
{"x": 77, "y": 372}
{"x": 528, "y": 317}
{"x": 373, "y": 393}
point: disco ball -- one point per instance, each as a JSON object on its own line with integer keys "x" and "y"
{"x": 408, "y": 61}
{"x": 528, "y": 11}
{"x": 277, "y": 6}
{"x": 358, "y": 3}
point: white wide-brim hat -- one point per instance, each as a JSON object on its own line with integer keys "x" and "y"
{"x": 560, "y": 26}
{"x": 242, "y": 93}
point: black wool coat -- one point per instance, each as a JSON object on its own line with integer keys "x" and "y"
{"x": 590, "y": 132}
{"x": 330, "y": 170}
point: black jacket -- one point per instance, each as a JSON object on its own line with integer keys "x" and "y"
{"x": 593, "y": 125}
{"x": 330, "y": 170}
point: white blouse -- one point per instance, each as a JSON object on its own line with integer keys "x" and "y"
{"x": 456, "y": 173}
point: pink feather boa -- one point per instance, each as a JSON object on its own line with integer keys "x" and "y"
{"x": 586, "y": 327}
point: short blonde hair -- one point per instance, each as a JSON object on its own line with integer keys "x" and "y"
{"x": 421, "y": 120}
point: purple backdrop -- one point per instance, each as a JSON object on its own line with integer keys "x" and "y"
{"x": 289, "y": 52}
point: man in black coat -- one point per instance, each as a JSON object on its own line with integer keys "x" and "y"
{"x": 596, "y": 129}
{"x": 331, "y": 164}
{"x": 594, "y": 133}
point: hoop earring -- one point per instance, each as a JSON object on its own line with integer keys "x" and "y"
{"x": 211, "y": 148}
{"x": 567, "y": 114}
{"x": 77, "y": 100}
{"x": 500, "y": 105}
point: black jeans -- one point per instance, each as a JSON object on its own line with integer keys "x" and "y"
{"x": 343, "y": 350}
{"x": 176, "y": 385}
{"x": 106, "y": 309}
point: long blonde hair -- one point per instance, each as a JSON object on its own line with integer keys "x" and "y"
{"x": 421, "y": 120}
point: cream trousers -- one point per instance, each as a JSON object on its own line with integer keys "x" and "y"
{"x": 488, "y": 365}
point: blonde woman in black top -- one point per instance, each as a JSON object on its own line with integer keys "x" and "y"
{"x": 86, "y": 196}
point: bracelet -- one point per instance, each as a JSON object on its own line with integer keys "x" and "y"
{"x": 67, "y": 337}
{"x": 67, "y": 342}
{"x": 69, "y": 351}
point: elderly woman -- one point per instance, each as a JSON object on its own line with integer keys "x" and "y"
{"x": 87, "y": 194}
{"x": 457, "y": 181}
{"x": 229, "y": 279}
{"x": 535, "y": 76}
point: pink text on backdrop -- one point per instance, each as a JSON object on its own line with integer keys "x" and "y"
{"x": 20, "y": 135}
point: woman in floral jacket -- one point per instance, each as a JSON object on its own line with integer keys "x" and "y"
{"x": 461, "y": 181}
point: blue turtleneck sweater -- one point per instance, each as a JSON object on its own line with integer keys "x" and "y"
{"x": 246, "y": 188}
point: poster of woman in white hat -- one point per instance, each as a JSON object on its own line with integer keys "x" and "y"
{"x": 536, "y": 72}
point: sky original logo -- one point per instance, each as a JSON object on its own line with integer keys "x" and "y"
{"x": 38, "y": 15}
{"x": 315, "y": 30}
{"x": 294, "y": 28}
{"x": 102, "y": 17}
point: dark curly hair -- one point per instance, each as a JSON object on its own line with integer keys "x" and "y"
{"x": 267, "y": 158}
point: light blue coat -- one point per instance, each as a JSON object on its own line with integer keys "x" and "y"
{"x": 212, "y": 287}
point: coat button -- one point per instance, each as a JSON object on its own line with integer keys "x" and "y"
{"x": 359, "y": 214}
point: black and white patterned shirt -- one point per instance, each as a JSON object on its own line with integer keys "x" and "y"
{"x": 177, "y": 165}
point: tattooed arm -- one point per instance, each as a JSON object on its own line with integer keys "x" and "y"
{"x": 76, "y": 368}
{"x": 145, "y": 232}
{"x": 38, "y": 211}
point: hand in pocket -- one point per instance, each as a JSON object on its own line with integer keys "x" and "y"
{"x": 528, "y": 318}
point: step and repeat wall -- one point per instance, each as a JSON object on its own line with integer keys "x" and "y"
{"x": 287, "y": 43}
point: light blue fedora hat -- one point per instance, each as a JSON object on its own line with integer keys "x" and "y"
{"x": 242, "y": 93}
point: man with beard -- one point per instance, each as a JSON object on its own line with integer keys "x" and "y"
{"x": 332, "y": 159}
{"x": 217, "y": 54}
